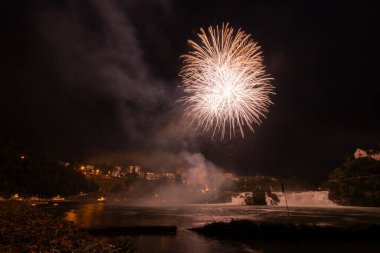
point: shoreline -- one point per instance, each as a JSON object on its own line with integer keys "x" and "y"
{"x": 242, "y": 230}
{"x": 26, "y": 228}
{"x": 109, "y": 199}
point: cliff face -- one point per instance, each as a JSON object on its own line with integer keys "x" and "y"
{"x": 356, "y": 182}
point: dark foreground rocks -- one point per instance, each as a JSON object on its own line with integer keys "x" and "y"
{"x": 247, "y": 229}
{"x": 25, "y": 228}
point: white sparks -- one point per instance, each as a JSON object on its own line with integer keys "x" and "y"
{"x": 224, "y": 81}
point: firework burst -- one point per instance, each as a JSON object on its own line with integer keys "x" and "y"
{"x": 224, "y": 81}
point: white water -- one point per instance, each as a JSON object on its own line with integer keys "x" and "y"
{"x": 240, "y": 199}
{"x": 307, "y": 199}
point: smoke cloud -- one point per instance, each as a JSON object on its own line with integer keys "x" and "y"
{"x": 200, "y": 183}
{"x": 97, "y": 54}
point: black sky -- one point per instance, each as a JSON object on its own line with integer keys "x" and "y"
{"x": 89, "y": 79}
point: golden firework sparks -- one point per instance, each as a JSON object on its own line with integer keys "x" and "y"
{"x": 224, "y": 81}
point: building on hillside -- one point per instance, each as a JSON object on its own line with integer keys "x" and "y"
{"x": 169, "y": 176}
{"x": 152, "y": 176}
{"x": 139, "y": 171}
{"x": 136, "y": 169}
{"x": 124, "y": 172}
{"x": 90, "y": 170}
{"x": 181, "y": 175}
{"x": 89, "y": 167}
{"x": 64, "y": 164}
{"x": 117, "y": 171}
{"x": 360, "y": 153}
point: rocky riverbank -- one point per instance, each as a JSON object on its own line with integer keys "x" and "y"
{"x": 25, "y": 228}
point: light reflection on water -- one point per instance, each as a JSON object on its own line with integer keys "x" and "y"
{"x": 187, "y": 216}
{"x": 86, "y": 215}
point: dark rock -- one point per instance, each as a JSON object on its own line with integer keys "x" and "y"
{"x": 135, "y": 230}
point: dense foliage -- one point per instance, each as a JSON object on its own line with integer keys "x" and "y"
{"x": 356, "y": 182}
{"x": 29, "y": 173}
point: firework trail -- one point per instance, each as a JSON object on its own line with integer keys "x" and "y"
{"x": 224, "y": 81}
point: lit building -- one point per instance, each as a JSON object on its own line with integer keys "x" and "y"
{"x": 139, "y": 172}
{"x": 64, "y": 164}
{"x": 124, "y": 172}
{"x": 152, "y": 176}
{"x": 90, "y": 170}
{"x": 360, "y": 153}
{"x": 136, "y": 169}
{"x": 89, "y": 167}
{"x": 181, "y": 175}
{"x": 116, "y": 172}
{"x": 169, "y": 176}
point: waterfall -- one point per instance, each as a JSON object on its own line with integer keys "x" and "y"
{"x": 307, "y": 198}
{"x": 240, "y": 199}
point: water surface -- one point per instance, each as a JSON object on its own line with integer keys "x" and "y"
{"x": 97, "y": 215}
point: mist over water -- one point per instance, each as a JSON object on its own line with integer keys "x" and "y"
{"x": 200, "y": 184}
{"x": 197, "y": 180}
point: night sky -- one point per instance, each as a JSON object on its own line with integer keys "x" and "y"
{"x": 98, "y": 80}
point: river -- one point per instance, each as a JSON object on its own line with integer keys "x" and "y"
{"x": 96, "y": 215}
